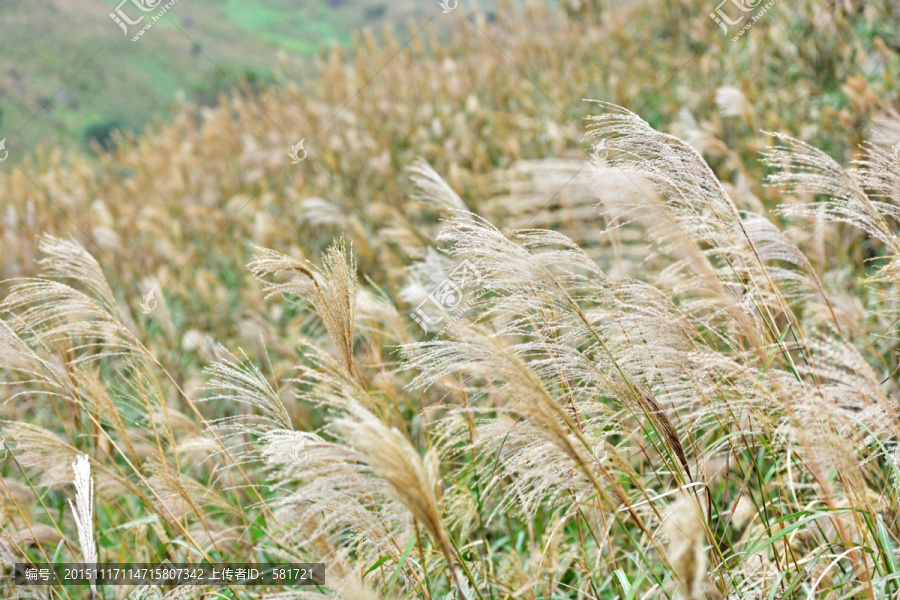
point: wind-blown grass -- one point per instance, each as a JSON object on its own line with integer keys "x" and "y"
{"x": 715, "y": 426}
{"x": 675, "y": 374}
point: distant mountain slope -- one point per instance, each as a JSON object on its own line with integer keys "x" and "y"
{"x": 68, "y": 72}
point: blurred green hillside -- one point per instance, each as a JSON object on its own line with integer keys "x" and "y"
{"x": 69, "y": 74}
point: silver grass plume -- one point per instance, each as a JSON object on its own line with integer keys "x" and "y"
{"x": 684, "y": 529}
{"x": 329, "y": 488}
{"x": 83, "y": 509}
{"x": 50, "y": 311}
{"x": 331, "y": 290}
{"x": 800, "y": 167}
{"x": 390, "y": 455}
{"x": 236, "y": 379}
{"x": 687, "y": 213}
{"x": 42, "y": 450}
{"x": 66, "y": 259}
{"x": 432, "y": 189}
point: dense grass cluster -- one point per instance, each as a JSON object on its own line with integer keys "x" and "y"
{"x": 671, "y": 372}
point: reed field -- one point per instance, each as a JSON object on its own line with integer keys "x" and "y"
{"x": 582, "y": 299}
